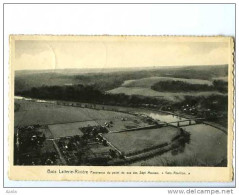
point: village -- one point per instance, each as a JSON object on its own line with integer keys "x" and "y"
{"x": 96, "y": 142}
{"x": 103, "y": 135}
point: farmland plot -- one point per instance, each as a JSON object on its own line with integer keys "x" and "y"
{"x": 176, "y": 97}
{"x": 131, "y": 142}
{"x": 32, "y": 113}
{"x": 69, "y": 129}
{"x": 72, "y": 129}
{"x": 143, "y": 86}
{"x": 148, "y": 82}
{"x": 208, "y": 147}
{"x": 119, "y": 124}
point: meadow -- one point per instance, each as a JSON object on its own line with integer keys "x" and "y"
{"x": 149, "y": 81}
{"x": 169, "y": 96}
{"x": 31, "y": 113}
{"x": 131, "y": 142}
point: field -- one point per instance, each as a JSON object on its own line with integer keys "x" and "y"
{"x": 64, "y": 121}
{"x": 31, "y": 113}
{"x": 134, "y": 141}
{"x": 148, "y": 82}
{"x": 221, "y": 78}
{"x": 143, "y": 86}
{"x": 59, "y": 122}
{"x": 69, "y": 129}
{"x": 175, "y": 97}
{"x": 119, "y": 125}
{"x": 208, "y": 147}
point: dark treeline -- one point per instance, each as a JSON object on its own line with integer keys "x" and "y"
{"x": 216, "y": 103}
{"x": 89, "y": 94}
{"x": 221, "y": 86}
{"x": 180, "y": 86}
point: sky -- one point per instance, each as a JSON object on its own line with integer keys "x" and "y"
{"x": 117, "y": 53}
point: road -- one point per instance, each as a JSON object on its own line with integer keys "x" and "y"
{"x": 59, "y": 153}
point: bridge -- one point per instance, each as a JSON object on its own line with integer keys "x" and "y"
{"x": 179, "y": 123}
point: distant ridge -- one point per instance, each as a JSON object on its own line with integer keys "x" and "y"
{"x": 107, "y": 70}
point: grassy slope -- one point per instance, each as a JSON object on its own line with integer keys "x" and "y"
{"x": 176, "y": 97}
{"x": 148, "y": 82}
{"x": 143, "y": 86}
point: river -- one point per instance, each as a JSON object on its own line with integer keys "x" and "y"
{"x": 207, "y": 146}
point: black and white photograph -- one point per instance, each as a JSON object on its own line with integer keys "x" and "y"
{"x": 121, "y": 101}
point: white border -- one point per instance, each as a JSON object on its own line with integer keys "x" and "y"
{"x": 101, "y": 19}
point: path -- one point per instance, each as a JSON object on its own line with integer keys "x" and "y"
{"x": 59, "y": 152}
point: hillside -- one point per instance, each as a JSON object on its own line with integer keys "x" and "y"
{"x": 173, "y": 89}
{"x": 108, "y": 79}
{"x": 148, "y": 82}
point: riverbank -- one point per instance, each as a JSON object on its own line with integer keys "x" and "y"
{"x": 128, "y": 110}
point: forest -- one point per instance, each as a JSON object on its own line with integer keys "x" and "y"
{"x": 89, "y": 94}
{"x": 180, "y": 86}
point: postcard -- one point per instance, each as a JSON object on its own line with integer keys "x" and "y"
{"x": 121, "y": 108}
